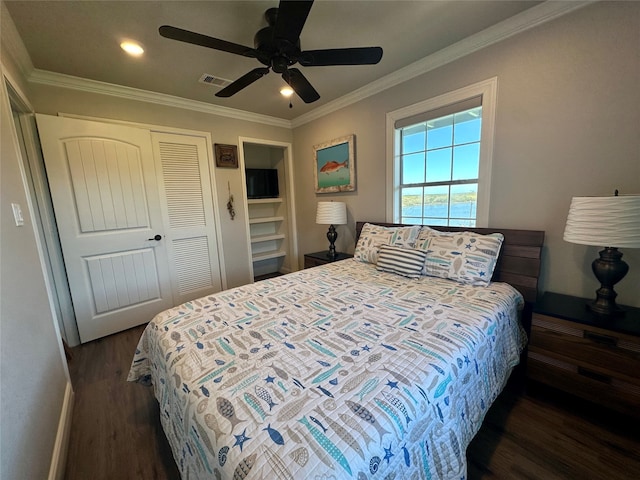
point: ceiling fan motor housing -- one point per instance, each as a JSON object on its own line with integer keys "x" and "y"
{"x": 275, "y": 53}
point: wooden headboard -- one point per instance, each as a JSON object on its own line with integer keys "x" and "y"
{"x": 519, "y": 260}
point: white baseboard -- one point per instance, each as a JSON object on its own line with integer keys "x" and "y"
{"x": 59, "y": 456}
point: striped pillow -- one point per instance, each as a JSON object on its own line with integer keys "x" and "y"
{"x": 403, "y": 261}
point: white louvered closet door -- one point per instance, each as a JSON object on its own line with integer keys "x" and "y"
{"x": 187, "y": 201}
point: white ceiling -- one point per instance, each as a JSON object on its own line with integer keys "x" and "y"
{"x": 81, "y": 38}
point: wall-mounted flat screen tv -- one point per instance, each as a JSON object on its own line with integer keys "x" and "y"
{"x": 262, "y": 182}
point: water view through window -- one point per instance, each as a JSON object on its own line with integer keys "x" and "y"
{"x": 440, "y": 160}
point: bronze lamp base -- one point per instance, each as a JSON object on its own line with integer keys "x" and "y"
{"x": 332, "y": 236}
{"x": 609, "y": 269}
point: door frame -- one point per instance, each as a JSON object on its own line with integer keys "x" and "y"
{"x": 44, "y": 218}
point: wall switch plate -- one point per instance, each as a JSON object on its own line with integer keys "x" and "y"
{"x": 17, "y": 214}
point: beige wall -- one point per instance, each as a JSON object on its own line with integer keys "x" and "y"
{"x": 566, "y": 125}
{"x": 32, "y": 370}
{"x": 54, "y": 100}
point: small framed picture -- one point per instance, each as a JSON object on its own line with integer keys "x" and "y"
{"x": 334, "y": 165}
{"x": 226, "y": 155}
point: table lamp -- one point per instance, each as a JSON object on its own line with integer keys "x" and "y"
{"x": 609, "y": 222}
{"x": 331, "y": 213}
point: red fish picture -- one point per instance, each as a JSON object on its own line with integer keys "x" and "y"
{"x": 334, "y": 166}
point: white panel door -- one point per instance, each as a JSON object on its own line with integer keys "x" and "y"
{"x": 190, "y": 230}
{"x": 105, "y": 196}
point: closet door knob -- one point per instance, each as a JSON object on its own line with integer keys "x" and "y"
{"x": 157, "y": 238}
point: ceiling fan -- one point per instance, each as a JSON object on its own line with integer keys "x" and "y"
{"x": 277, "y": 46}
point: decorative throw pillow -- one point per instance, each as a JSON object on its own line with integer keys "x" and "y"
{"x": 424, "y": 237}
{"x": 465, "y": 257}
{"x": 402, "y": 261}
{"x": 373, "y": 237}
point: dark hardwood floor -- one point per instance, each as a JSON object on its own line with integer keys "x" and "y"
{"x": 116, "y": 431}
{"x": 532, "y": 434}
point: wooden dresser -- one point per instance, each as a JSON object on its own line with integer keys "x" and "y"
{"x": 575, "y": 351}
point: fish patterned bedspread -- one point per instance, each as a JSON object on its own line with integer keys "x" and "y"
{"x": 334, "y": 372}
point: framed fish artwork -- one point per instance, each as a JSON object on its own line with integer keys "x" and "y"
{"x": 334, "y": 165}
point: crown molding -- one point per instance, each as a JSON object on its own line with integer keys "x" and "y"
{"x": 12, "y": 44}
{"x": 82, "y": 84}
{"x": 526, "y": 20}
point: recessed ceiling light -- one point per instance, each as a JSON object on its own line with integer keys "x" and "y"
{"x": 286, "y": 91}
{"x": 132, "y": 48}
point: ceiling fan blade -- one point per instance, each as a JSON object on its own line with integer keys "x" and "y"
{"x": 175, "y": 33}
{"x": 291, "y": 19}
{"x": 341, "y": 56}
{"x": 244, "y": 81}
{"x": 300, "y": 85}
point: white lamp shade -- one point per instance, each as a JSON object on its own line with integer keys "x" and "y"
{"x": 331, "y": 213}
{"x": 604, "y": 221}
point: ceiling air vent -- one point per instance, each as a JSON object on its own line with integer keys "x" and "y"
{"x": 213, "y": 80}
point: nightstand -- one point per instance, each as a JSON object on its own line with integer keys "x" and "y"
{"x": 575, "y": 351}
{"x": 322, "y": 258}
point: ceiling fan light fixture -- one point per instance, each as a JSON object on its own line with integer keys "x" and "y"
{"x": 132, "y": 48}
{"x": 286, "y": 91}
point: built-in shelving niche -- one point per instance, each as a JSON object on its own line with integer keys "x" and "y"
{"x": 271, "y": 221}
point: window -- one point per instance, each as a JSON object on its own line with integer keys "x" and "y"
{"x": 440, "y": 166}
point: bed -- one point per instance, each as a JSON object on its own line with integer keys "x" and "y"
{"x": 380, "y": 366}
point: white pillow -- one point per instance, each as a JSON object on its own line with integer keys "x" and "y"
{"x": 402, "y": 261}
{"x": 465, "y": 257}
{"x": 424, "y": 237}
{"x": 373, "y": 237}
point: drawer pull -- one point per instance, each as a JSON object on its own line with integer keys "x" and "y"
{"x": 599, "y": 338}
{"x": 594, "y": 376}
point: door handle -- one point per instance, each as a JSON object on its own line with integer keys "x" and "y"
{"x": 157, "y": 238}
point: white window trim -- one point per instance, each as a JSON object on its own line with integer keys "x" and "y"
{"x": 488, "y": 89}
